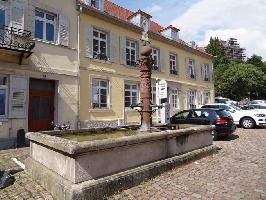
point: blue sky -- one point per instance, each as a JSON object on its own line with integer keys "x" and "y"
{"x": 198, "y": 20}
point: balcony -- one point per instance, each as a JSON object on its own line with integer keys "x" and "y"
{"x": 17, "y": 41}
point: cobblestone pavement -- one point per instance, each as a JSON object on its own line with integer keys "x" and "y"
{"x": 238, "y": 171}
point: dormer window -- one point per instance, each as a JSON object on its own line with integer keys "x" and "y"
{"x": 171, "y": 32}
{"x": 99, "y": 4}
{"x": 140, "y": 19}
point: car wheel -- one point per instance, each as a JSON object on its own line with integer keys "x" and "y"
{"x": 248, "y": 123}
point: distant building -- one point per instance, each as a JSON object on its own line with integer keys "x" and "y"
{"x": 232, "y": 49}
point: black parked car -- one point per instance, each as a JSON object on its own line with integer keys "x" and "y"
{"x": 221, "y": 121}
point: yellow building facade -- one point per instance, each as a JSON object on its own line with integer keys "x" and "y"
{"x": 109, "y": 77}
{"x": 38, "y": 66}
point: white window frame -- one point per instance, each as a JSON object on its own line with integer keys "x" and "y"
{"x": 192, "y": 94}
{"x": 192, "y": 70}
{"x": 131, "y": 90}
{"x": 173, "y": 64}
{"x": 206, "y": 97}
{"x": 131, "y": 49}
{"x": 99, "y": 40}
{"x": 45, "y": 21}
{"x": 175, "y": 99}
{"x": 156, "y": 53}
{"x": 206, "y": 72}
{"x": 99, "y": 87}
{"x": 5, "y": 87}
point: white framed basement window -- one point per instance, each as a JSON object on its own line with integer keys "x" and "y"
{"x": 131, "y": 94}
{"x": 3, "y": 95}
{"x": 206, "y": 97}
{"x": 175, "y": 99}
{"x": 191, "y": 99}
{"x": 100, "y": 94}
{"x": 45, "y": 26}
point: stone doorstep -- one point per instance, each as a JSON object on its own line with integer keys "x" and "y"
{"x": 101, "y": 188}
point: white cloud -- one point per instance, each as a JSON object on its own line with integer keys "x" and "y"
{"x": 242, "y": 19}
{"x": 153, "y": 9}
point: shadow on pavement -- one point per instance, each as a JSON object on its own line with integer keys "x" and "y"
{"x": 229, "y": 138}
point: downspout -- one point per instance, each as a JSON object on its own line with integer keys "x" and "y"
{"x": 79, "y": 9}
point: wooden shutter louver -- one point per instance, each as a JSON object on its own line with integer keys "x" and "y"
{"x": 17, "y": 14}
{"x": 123, "y": 50}
{"x": 88, "y": 41}
{"x": 112, "y": 47}
{"x": 63, "y": 35}
{"x": 18, "y": 89}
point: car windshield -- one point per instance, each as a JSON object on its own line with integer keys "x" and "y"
{"x": 223, "y": 114}
{"x": 236, "y": 108}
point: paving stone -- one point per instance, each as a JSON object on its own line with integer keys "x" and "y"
{"x": 238, "y": 171}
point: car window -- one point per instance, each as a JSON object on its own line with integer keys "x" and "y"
{"x": 223, "y": 113}
{"x": 182, "y": 115}
{"x": 199, "y": 114}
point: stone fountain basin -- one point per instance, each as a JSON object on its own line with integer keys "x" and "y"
{"x": 87, "y": 160}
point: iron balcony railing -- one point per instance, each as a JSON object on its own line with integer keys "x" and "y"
{"x": 16, "y": 39}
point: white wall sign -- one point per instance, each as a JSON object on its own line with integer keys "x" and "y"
{"x": 162, "y": 89}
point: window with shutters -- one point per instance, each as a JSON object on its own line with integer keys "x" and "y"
{"x": 45, "y": 26}
{"x": 191, "y": 69}
{"x": 191, "y": 99}
{"x": 131, "y": 94}
{"x": 173, "y": 64}
{"x": 206, "y": 72}
{"x": 3, "y": 95}
{"x": 155, "y": 56}
{"x": 206, "y": 97}
{"x": 175, "y": 99}
{"x": 99, "y": 45}
{"x": 100, "y": 94}
{"x": 131, "y": 53}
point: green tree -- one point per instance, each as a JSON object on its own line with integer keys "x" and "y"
{"x": 241, "y": 81}
{"x": 216, "y": 48}
{"x": 257, "y": 61}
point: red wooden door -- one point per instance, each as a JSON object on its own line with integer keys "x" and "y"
{"x": 41, "y": 105}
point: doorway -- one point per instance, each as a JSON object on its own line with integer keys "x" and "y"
{"x": 41, "y": 104}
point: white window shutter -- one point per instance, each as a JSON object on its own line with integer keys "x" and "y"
{"x": 63, "y": 34}
{"x": 18, "y": 90}
{"x": 139, "y": 46}
{"x": 17, "y": 14}
{"x": 31, "y": 17}
{"x": 112, "y": 47}
{"x": 187, "y": 68}
{"x": 161, "y": 64}
{"x": 122, "y": 50}
{"x": 88, "y": 41}
{"x": 211, "y": 73}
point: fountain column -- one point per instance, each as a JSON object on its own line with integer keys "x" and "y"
{"x": 146, "y": 63}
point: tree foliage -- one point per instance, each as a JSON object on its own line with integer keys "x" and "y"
{"x": 217, "y": 49}
{"x": 240, "y": 81}
{"x": 237, "y": 79}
